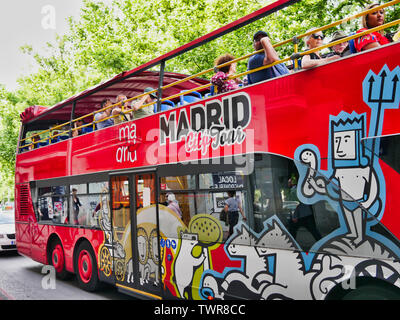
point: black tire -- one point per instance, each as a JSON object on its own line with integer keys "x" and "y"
{"x": 86, "y": 268}
{"x": 56, "y": 258}
{"x": 373, "y": 292}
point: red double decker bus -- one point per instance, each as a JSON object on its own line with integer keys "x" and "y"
{"x": 283, "y": 189}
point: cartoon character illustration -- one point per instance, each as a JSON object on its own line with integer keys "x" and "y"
{"x": 104, "y": 218}
{"x": 355, "y": 183}
{"x": 129, "y": 272}
{"x": 264, "y": 271}
{"x": 186, "y": 262}
{"x": 153, "y": 260}
{"x": 143, "y": 255}
{"x": 354, "y": 178}
{"x": 254, "y": 265}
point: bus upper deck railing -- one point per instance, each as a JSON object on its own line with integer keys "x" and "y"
{"x": 296, "y": 55}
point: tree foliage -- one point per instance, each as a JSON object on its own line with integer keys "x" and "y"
{"x": 108, "y": 39}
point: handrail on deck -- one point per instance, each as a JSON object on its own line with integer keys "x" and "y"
{"x": 294, "y": 57}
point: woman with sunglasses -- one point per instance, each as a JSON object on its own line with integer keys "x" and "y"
{"x": 314, "y": 59}
{"x": 374, "y": 39}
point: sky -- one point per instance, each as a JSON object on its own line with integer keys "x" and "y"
{"x": 32, "y": 22}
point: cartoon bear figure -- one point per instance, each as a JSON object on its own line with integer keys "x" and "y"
{"x": 186, "y": 263}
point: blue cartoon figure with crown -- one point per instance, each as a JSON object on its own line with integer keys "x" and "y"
{"x": 353, "y": 181}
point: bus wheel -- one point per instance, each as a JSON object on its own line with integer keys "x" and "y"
{"x": 57, "y": 260}
{"x": 86, "y": 268}
{"x": 373, "y": 292}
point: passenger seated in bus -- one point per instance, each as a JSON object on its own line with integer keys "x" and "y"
{"x": 341, "y": 49}
{"x": 118, "y": 109}
{"x": 262, "y": 41}
{"x": 314, "y": 59}
{"x": 374, "y": 39}
{"x": 220, "y": 79}
{"x": 103, "y": 115}
{"x": 139, "y": 112}
{"x": 77, "y": 130}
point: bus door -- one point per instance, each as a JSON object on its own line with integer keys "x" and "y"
{"x": 135, "y": 233}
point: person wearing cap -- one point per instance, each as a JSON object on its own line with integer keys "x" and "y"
{"x": 341, "y": 49}
{"x": 262, "y": 41}
{"x": 140, "y": 112}
{"x": 314, "y": 41}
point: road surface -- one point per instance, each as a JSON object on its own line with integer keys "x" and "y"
{"x": 22, "y": 279}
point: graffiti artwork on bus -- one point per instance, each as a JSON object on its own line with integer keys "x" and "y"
{"x": 353, "y": 183}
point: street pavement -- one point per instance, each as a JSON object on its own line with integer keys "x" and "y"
{"x": 24, "y": 279}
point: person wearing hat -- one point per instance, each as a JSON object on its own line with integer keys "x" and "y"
{"x": 341, "y": 49}
{"x": 262, "y": 41}
{"x": 138, "y": 111}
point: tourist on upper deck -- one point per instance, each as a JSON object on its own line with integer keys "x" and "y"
{"x": 262, "y": 41}
{"x": 34, "y": 140}
{"x": 396, "y": 37}
{"x": 341, "y": 49}
{"x": 124, "y": 106}
{"x": 374, "y": 39}
{"x": 220, "y": 79}
{"x": 77, "y": 130}
{"x": 314, "y": 59}
{"x": 103, "y": 115}
{"x": 140, "y": 112}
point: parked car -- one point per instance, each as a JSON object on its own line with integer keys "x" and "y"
{"x": 7, "y": 232}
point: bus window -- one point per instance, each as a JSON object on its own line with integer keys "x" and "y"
{"x": 221, "y": 180}
{"x": 98, "y": 187}
{"x": 83, "y": 206}
{"x": 145, "y": 195}
{"x": 52, "y": 204}
{"x": 213, "y": 203}
{"x": 180, "y": 205}
{"x": 274, "y": 194}
{"x": 198, "y": 211}
{"x": 178, "y": 183}
{"x": 388, "y": 150}
{"x": 121, "y": 205}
